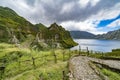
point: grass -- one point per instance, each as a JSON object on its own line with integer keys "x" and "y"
{"x": 104, "y": 72}
{"x": 112, "y": 75}
{"x": 19, "y": 65}
{"x": 114, "y": 54}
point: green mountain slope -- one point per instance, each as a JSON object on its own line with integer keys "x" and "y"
{"x": 63, "y": 35}
{"x": 12, "y": 24}
{"x": 16, "y": 29}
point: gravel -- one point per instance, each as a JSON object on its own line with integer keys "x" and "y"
{"x": 81, "y": 70}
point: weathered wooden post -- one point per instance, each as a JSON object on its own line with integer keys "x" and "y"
{"x": 63, "y": 75}
{"x": 91, "y": 51}
{"x": 33, "y": 62}
{"x": 102, "y": 55}
{"x": 69, "y": 53}
{"x": 55, "y": 57}
{"x": 41, "y": 77}
{"x": 79, "y": 49}
{"x": 2, "y": 70}
{"x": 19, "y": 64}
{"x": 63, "y": 56}
{"x": 87, "y": 51}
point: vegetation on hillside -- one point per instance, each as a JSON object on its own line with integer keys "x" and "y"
{"x": 37, "y": 52}
{"x": 15, "y": 29}
{"x": 29, "y": 64}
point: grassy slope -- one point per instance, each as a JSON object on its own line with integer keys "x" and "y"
{"x": 112, "y": 75}
{"x": 45, "y": 66}
{"x": 11, "y": 22}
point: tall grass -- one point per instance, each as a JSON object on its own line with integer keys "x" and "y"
{"x": 18, "y": 63}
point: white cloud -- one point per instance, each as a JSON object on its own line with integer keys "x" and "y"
{"x": 71, "y": 14}
{"x": 67, "y": 7}
{"x": 94, "y": 2}
{"x": 107, "y": 13}
{"x": 34, "y": 14}
{"x": 114, "y": 24}
{"x": 83, "y": 26}
{"x": 91, "y": 23}
{"x": 84, "y": 3}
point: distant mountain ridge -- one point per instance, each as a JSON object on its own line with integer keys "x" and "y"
{"x": 82, "y": 35}
{"x": 111, "y": 35}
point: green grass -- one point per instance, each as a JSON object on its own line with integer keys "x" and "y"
{"x": 110, "y": 74}
{"x": 19, "y": 65}
{"x": 113, "y": 54}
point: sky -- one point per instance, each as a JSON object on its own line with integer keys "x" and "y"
{"x": 95, "y": 16}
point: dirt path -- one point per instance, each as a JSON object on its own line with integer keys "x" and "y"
{"x": 81, "y": 70}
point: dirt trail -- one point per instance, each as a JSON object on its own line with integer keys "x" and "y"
{"x": 81, "y": 70}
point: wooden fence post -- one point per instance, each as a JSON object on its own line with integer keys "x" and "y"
{"x": 87, "y": 51}
{"x": 63, "y": 56}
{"x": 69, "y": 53}
{"x": 33, "y": 62}
{"x": 55, "y": 57}
{"x": 63, "y": 75}
{"x": 2, "y": 70}
{"x": 102, "y": 54}
{"x": 92, "y": 51}
{"x": 19, "y": 65}
{"x": 41, "y": 77}
{"x": 79, "y": 49}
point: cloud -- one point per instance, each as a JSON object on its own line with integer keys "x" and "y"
{"x": 80, "y": 14}
{"x": 84, "y": 26}
{"x": 84, "y": 3}
{"x": 67, "y": 7}
{"x": 114, "y": 24}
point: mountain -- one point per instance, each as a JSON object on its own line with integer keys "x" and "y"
{"x": 16, "y": 29}
{"x": 13, "y": 25}
{"x": 112, "y": 35}
{"x": 53, "y": 36}
{"x": 63, "y": 36}
{"x": 82, "y": 35}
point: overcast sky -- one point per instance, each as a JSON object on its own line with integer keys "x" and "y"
{"x": 95, "y": 16}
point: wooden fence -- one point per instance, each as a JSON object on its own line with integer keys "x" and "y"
{"x": 33, "y": 61}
